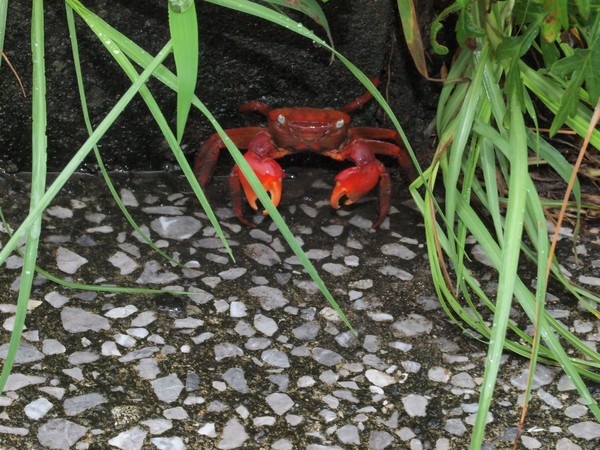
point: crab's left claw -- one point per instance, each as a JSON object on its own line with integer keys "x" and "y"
{"x": 357, "y": 181}
{"x": 265, "y": 168}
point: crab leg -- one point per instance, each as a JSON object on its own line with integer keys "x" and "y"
{"x": 270, "y": 174}
{"x": 377, "y": 137}
{"x": 206, "y": 159}
{"x": 357, "y": 181}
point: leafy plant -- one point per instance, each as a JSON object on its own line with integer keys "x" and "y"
{"x": 488, "y": 126}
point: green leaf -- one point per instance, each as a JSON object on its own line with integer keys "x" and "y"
{"x": 584, "y": 7}
{"x": 568, "y": 103}
{"x": 566, "y": 66}
{"x": 556, "y": 19}
{"x": 184, "y": 35}
{"x": 592, "y": 73}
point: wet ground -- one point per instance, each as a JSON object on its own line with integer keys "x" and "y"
{"x": 256, "y": 358}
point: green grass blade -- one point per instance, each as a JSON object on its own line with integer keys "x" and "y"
{"x": 183, "y": 26}
{"x": 510, "y": 258}
{"x": 3, "y": 11}
{"x": 38, "y": 183}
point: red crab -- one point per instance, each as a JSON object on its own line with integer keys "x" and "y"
{"x": 325, "y": 131}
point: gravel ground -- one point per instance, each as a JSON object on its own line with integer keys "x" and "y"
{"x": 256, "y": 358}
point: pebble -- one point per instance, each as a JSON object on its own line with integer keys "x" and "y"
{"x": 279, "y": 402}
{"x": 76, "y": 405}
{"x": 76, "y": 320}
{"x": 326, "y": 357}
{"x": 262, "y": 254}
{"x": 170, "y": 443}
{"x": 587, "y": 430}
{"x": 123, "y": 262}
{"x": 69, "y": 261}
{"x": 235, "y": 378}
{"x": 413, "y": 325}
{"x": 398, "y": 250}
{"x": 60, "y": 433}
{"x": 168, "y": 388}
{"x": 38, "y": 408}
{"x": 234, "y": 435}
{"x": 132, "y": 439}
{"x": 415, "y": 405}
{"x": 379, "y": 378}
{"x": 265, "y": 325}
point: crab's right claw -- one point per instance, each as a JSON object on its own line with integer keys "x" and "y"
{"x": 270, "y": 175}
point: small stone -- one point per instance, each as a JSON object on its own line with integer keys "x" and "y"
{"x": 235, "y": 378}
{"x": 26, "y": 353}
{"x": 586, "y": 430}
{"x": 17, "y": 381}
{"x": 168, "y": 388}
{"x": 307, "y": 331}
{"x": 132, "y": 439}
{"x": 413, "y": 325}
{"x": 326, "y": 357}
{"x": 123, "y": 262}
{"x": 275, "y": 358}
{"x": 68, "y": 261}
{"x": 119, "y": 313}
{"x": 265, "y": 325}
{"x": 280, "y": 403}
{"x": 168, "y": 443}
{"x": 38, "y": 408}
{"x": 379, "y": 378}
{"x": 158, "y": 426}
{"x": 60, "y": 434}
{"x": 399, "y": 250}
{"x": 179, "y": 228}
{"x": 348, "y": 434}
{"x": 234, "y": 435}
{"x": 76, "y": 405}
{"x": 227, "y": 350}
{"x": 378, "y": 440}
{"x": 415, "y": 405}
{"x": 262, "y": 254}
{"x": 76, "y": 320}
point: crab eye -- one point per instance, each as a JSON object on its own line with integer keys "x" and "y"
{"x": 281, "y": 119}
{"x": 339, "y": 124}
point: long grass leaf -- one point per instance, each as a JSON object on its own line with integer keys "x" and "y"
{"x": 38, "y": 183}
{"x": 183, "y": 26}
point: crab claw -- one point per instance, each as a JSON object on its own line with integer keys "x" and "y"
{"x": 266, "y": 169}
{"x": 354, "y": 183}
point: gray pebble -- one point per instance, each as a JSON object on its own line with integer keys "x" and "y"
{"x": 586, "y": 430}
{"x": 168, "y": 388}
{"x": 132, "y": 439}
{"x": 415, "y": 405}
{"x": 76, "y": 405}
{"x": 68, "y": 261}
{"x": 227, "y": 350}
{"x": 76, "y": 320}
{"x": 60, "y": 433}
{"x": 325, "y": 356}
{"x": 235, "y": 378}
{"x": 280, "y": 403}
{"x": 275, "y": 358}
{"x": 262, "y": 254}
{"x": 234, "y": 435}
{"x": 168, "y": 443}
{"x": 265, "y": 325}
